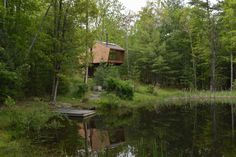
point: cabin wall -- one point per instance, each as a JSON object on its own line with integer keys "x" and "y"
{"x": 100, "y": 53}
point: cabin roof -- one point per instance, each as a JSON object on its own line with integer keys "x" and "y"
{"x": 112, "y": 46}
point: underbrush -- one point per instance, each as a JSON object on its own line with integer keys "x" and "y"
{"x": 35, "y": 130}
{"x": 143, "y": 97}
{"x": 122, "y": 89}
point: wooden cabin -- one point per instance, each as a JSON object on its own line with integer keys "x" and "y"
{"x": 103, "y": 52}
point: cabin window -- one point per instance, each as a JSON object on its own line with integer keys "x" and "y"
{"x": 113, "y": 55}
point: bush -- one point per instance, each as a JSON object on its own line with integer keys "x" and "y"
{"x": 234, "y": 85}
{"x": 123, "y": 89}
{"x": 9, "y": 83}
{"x": 74, "y": 87}
{"x": 43, "y": 129}
{"x": 152, "y": 89}
{"x": 111, "y": 101}
{"x": 9, "y": 102}
{"x": 103, "y": 72}
{"x": 64, "y": 85}
{"x": 81, "y": 90}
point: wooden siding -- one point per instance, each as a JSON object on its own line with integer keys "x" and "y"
{"x": 100, "y": 53}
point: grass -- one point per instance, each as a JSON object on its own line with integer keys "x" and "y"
{"x": 143, "y": 97}
{"x": 20, "y": 125}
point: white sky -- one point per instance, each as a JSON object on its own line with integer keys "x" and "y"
{"x": 136, "y": 5}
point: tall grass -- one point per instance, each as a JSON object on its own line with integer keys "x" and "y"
{"x": 35, "y": 130}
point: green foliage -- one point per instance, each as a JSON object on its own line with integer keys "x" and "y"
{"x": 58, "y": 41}
{"x": 36, "y": 126}
{"x": 60, "y": 133}
{"x": 64, "y": 85}
{"x": 234, "y": 85}
{"x": 110, "y": 101}
{"x": 103, "y": 72}
{"x": 169, "y": 43}
{"x": 152, "y": 89}
{"x": 73, "y": 87}
{"x": 9, "y": 83}
{"x": 111, "y": 17}
{"x": 82, "y": 89}
{"x": 123, "y": 89}
{"x": 9, "y": 101}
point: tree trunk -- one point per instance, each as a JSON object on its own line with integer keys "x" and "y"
{"x": 232, "y": 71}
{"x": 55, "y": 88}
{"x": 193, "y": 62}
{"x": 5, "y": 4}
{"x": 213, "y": 48}
{"x": 213, "y": 68}
{"x": 127, "y": 53}
{"x": 87, "y": 47}
{"x": 4, "y": 16}
{"x": 39, "y": 28}
{"x": 57, "y": 47}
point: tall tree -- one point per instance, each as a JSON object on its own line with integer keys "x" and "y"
{"x": 228, "y": 33}
{"x": 66, "y": 17}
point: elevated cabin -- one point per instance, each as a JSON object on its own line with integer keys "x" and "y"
{"x": 103, "y": 52}
{"x": 109, "y": 53}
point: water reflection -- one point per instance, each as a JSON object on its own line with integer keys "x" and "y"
{"x": 203, "y": 130}
{"x": 100, "y": 139}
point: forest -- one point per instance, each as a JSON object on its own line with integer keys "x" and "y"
{"x": 169, "y": 43}
{"x": 179, "y": 63}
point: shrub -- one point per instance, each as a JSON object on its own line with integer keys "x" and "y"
{"x": 152, "y": 89}
{"x": 9, "y": 83}
{"x": 74, "y": 87}
{"x": 9, "y": 101}
{"x": 64, "y": 85}
{"x": 81, "y": 90}
{"x": 123, "y": 89}
{"x": 103, "y": 72}
{"x": 111, "y": 101}
{"x": 43, "y": 129}
{"x": 234, "y": 85}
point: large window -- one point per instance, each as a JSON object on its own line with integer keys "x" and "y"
{"x": 113, "y": 55}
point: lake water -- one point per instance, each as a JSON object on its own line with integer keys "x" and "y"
{"x": 203, "y": 130}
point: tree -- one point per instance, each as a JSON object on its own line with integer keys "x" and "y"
{"x": 40, "y": 41}
{"x": 228, "y": 33}
{"x": 66, "y": 17}
{"x": 18, "y": 21}
{"x": 109, "y": 21}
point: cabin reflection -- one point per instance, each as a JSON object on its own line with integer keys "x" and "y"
{"x": 101, "y": 139}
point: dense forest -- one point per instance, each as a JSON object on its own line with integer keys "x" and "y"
{"x": 168, "y": 43}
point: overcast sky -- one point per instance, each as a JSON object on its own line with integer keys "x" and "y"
{"x": 136, "y": 5}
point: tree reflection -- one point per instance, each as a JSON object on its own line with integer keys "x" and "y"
{"x": 184, "y": 130}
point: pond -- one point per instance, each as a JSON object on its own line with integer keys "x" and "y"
{"x": 203, "y": 130}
